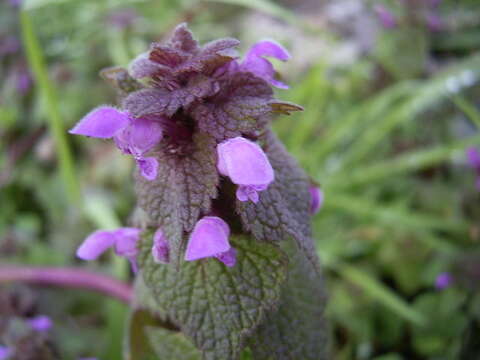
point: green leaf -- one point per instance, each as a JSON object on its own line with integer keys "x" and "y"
{"x": 284, "y": 208}
{"x": 183, "y": 189}
{"x": 171, "y": 345}
{"x": 298, "y": 329}
{"x": 215, "y": 306}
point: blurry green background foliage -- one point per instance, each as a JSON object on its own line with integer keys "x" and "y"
{"x": 388, "y": 115}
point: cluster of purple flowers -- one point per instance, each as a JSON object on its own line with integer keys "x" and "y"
{"x": 182, "y": 76}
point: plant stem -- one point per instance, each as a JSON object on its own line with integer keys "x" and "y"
{"x": 69, "y": 278}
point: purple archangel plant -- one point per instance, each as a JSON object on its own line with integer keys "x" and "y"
{"x": 221, "y": 240}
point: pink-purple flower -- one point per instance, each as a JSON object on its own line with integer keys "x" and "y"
{"x": 5, "y": 352}
{"x": 443, "y": 281}
{"x": 256, "y": 63}
{"x": 473, "y": 158}
{"x": 40, "y": 323}
{"x": 247, "y": 166}
{"x": 133, "y": 136}
{"x": 160, "y": 248}
{"x": 386, "y": 17}
{"x": 317, "y": 197}
{"x": 123, "y": 239}
{"x": 209, "y": 238}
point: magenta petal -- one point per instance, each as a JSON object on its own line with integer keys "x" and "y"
{"x": 139, "y": 136}
{"x": 268, "y": 48}
{"x": 96, "y": 244}
{"x": 317, "y": 197}
{"x": 160, "y": 248}
{"x": 5, "y": 352}
{"x": 40, "y": 323}
{"x": 148, "y": 167}
{"x": 208, "y": 238}
{"x": 244, "y": 162}
{"x": 126, "y": 241}
{"x": 245, "y": 193}
{"x": 103, "y": 122}
{"x": 229, "y": 258}
{"x": 473, "y": 157}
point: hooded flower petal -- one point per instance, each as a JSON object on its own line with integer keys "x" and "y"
{"x": 473, "y": 157}
{"x": 96, "y": 244}
{"x": 247, "y": 165}
{"x": 229, "y": 258}
{"x": 124, "y": 239}
{"x": 208, "y": 238}
{"x": 139, "y": 136}
{"x": 385, "y": 16}
{"x": 40, "y": 323}
{"x": 148, "y": 167}
{"x": 317, "y": 197}
{"x": 255, "y": 62}
{"x": 5, "y": 352}
{"x": 160, "y": 248}
{"x": 443, "y": 281}
{"x": 103, "y": 122}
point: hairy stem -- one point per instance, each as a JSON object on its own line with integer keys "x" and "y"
{"x": 68, "y": 277}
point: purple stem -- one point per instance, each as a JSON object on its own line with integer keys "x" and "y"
{"x": 69, "y": 278}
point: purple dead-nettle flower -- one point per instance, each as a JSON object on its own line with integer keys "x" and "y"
{"x": 473, "y": 158}
{"x": 386, "y": 17}
{"x": 443, "y": 281}
{"x": 160, "y": 248}
{"x": 256, "y": 63}
{"x": 5, "y": 352}
{"x": 209, "y": 238}
{"x": 317, "y": 198}
{"x": 40, "y": 323}
{"x": 133, "y": 136}
{"x": 245, "y": 163}
{"x": 123, "y": 239}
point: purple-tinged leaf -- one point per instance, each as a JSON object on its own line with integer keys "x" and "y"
{"x": 182, "y": 39}
{"x": 183, "y": 189}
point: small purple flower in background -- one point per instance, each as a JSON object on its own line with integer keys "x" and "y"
{"x": 133, "y": 136}
{"x": 15, "y": 3}
{"x": 434, "y": 22}
{"x": 473, "y": 157}
{"x": 124, "y": 239}
{"x": 245, "y": 163}
{"x": 40, "y": 323}
{"x": 443, "y": 281}
{"x": 386, "y": 17}
{"x": 317, "y": 198}
{"x": 5, "y": 352}
{"x": 122, "y": 18}
{"x": 255, "y": 62}
{"x": 209, "y": 238}
{"x": 9, "y": 45}
{"x": 160, "y": 249}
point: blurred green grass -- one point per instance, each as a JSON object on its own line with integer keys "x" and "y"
{"x": 386, "y": 143}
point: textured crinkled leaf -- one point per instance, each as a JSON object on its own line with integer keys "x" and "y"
{"x": 172, "y": 345}
{"x": 239, "y": 107}
{"x": 119, "y": 78}
{"x": 211, "y": 56}
{"x": 214, "y": 305}
{"x": 284, "y": 208}
{"x": 298, "y": 329}
{"x": 183, "y": 189}
{"x": 167, "y": 102}
{"x": 182, "y": 39}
